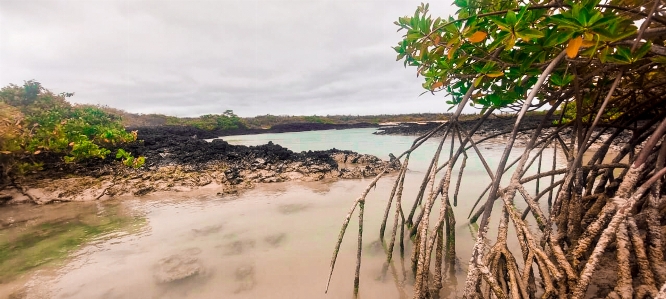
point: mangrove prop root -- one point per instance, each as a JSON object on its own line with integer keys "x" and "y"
{"x": 645, "y": 274}
{"x": 460, "y": 175}
{"x": 589, "y": 206}
{"x": 361, "y": 209}
{"x": 623, "y": 286}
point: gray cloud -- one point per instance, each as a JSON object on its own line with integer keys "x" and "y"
{"x": 189, "y": 58}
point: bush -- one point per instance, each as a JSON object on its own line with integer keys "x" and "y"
{"x": 34, "y": 121}
{"x": 210, "y": 122}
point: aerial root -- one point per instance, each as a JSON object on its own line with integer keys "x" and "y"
{"x": 398, "y": 211}
{"x": 591, "y": 233}
{"x": 655, "y": 244}
{"x": 450, "y": 241}
{"x": 460, "y": 176}
{"x": 574, "y": 233}
{"x": 645, "y": 275}
{"x": 401, "y": 175}
{"x": 361, "y": 209}
{"x": 345, "y": 223}
{"x": 439, "y": 257}
{"x": 623, "y": 286}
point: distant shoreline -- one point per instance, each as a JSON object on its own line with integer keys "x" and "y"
{"x": 281, "y": 128}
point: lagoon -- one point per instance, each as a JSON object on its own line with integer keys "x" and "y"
{"x": 274, "y": 241}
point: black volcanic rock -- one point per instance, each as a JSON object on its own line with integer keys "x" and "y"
{"x": 178, "y": 159}
{"x": 188, "y": 131}
{"x": 492, "y": 125}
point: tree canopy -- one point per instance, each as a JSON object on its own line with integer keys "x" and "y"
{"x": 500, "y": 50}
{"x": 228, "y": 120}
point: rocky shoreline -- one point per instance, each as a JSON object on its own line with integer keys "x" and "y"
{"x": 179, "y": 159}
{"x": 280, "y": 128}
{"x": 494, "y": 126}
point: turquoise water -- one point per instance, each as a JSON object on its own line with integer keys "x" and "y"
{"x": 358, "y": 140}
{"x": 363, "y": 141}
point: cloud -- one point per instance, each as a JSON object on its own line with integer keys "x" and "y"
{"x": 189, "y": 58}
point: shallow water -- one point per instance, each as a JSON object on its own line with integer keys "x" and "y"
{"x": 274, "y": 241}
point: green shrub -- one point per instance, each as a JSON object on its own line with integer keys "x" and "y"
{"x": 34, "y": 121}
{"x": 225, "y": 121}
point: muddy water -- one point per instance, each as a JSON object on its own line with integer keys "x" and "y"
{"x": 274, "y": 241}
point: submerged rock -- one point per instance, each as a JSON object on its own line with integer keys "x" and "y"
{"x": 244, "y": 276}
{"x": 208, "y": 230}
{"x": 178, "y": 266}
{"x": 275, "y": 240}
{"x": 239, "y": 247}
{"x": 292, "y": 208}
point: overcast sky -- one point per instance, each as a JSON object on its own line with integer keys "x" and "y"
{"x": 188, "y": 58}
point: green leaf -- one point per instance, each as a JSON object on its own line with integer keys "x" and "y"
{"x": 603, "y": 55}
{"x": 495, "y": 99}
{"x": 523, "y": 11}
{"x": 529, "y": 34}
{"x": 644, "y": 49}
{"x": 509, "y": 42}
{"x": 589, "y": 52}
{"x": 488, "y": 66}
{"x": 594, "y": 16}
{"x": 561, "y": 21}
{"x": 617, "y": 58}
{"x": 121, "y": 153}
{"x": 584, "y": 17}
{"x": 478, "y": 80}
{"x": 576, "y": 13}
{"x": 590, "y": 4}
{"x": 556, "y": 79}
{"x": 460, "y": 3}
{"x": 500, "y": 39}
{"x": 659, "y": 59}
{"x": 624, "y": 52}
{"x": 605, "y": 22}
{"x": 500, "y": 23}
{"x": 613, "y": 37}
{"x": 528, "y": 62}
{"x": 471, "y": 22}
{"x": 511, "y": 18}
{"x": 414, "y": 36}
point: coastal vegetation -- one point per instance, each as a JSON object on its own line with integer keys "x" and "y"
{"x": 230, "y": 121}
{"x": 37, "y": 126}
{"x": 211, "y": 122}
{"x": 600, "y": 63}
